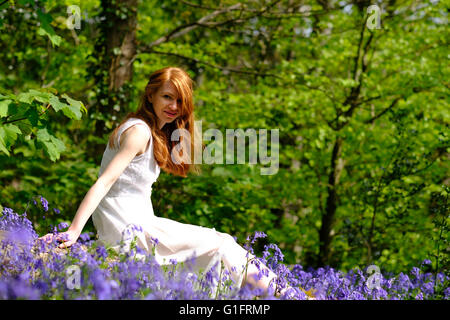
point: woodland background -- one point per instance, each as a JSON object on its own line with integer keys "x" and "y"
{"x": 363, "y": 115}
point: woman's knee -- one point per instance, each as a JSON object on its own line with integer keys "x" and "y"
{"x": 226, "y": 237}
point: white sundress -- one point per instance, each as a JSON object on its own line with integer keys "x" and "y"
{"x": 128, "y": 202}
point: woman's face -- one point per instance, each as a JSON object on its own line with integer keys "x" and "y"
{"x": 166, "y": 103}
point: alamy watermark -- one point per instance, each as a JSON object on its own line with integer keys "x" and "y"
{"x": 374, "y": 20}
{"x": 73, "y": 277}
{"x": 214, "y": 153}
{"x": 74, "y": 19}
{"x": 373, "y": 281}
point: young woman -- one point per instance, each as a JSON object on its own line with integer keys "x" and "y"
{"x": 137, "y": 150}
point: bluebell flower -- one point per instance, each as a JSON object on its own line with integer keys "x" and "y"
{"x": 447, "y": 293}
{"x": 85, "y": 236}
{"x": 33, "y": 270}
{"x": 44, "y": 203}
{"x": 257, "y": 235}
{"x": 62, "y": 226}
{"x": 426, "y": 262}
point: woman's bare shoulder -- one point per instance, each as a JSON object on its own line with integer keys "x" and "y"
{"x": 136, "y": 134}
{"x": 132, "y": 142}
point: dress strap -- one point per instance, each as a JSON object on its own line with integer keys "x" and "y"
{"x": 129, "y": 123}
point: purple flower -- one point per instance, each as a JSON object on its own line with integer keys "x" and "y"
{"x": 428, "y": 288}
{"x": 102, "y": 286}
{"x": 101, "y": 252}
{"x": 44, "y": 203}
{"x": 85, "y": 236}
{"x": 257, "y": 235}
{"x": 62, "y": 225}
{"x": 33, "y": 270}
{"x": 17, "y": 288}
{"x": 426, "y": 262}
{"x": 447, "y": 293}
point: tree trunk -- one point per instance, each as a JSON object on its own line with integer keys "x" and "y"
{"x": 115, "y": 51}
{"x": 331, "y": 205}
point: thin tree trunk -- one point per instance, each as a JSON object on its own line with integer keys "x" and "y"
{"x": 331, "y": 205}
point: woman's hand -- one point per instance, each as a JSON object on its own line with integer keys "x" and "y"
{"x": 66, "y": 238}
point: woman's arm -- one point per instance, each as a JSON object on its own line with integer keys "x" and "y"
{"x": 89, "y": 204}
{"x": 133, "y": 140}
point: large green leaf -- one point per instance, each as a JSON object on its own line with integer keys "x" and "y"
{"x": 52, "y": 145}
{"x": 57, "y": 104}
{"x": 8, "y": 135}
{"x": 74, "y": 109}
{"x": 32, "y": 94}
{"x": 47, "y": 29}
{"x": 4, "y": 107}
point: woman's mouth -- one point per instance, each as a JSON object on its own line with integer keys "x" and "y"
{"x": 170, "y": 114}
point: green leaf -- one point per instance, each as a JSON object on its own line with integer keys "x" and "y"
{"x": 25, "y": 126}
{"x": 348, "y": 83}
{"x": 4, "y": 107}
{"x": 25, "y": 97}
{"x": 12, "y": 128}
{"x": 43, "y": 97}
{"x": 46, "y": 28}
{"x": 2, "y": 146}
{"x": 11, "y": 132}
{"x": 8, "y": 135}
{"x": 32, "y": 116}
{"x": 57, "y": 104}
{"x": 2, "y": 141}
{"x": 52, "y": 145}
{"x": 51, "y": 150}
{"x": 43, "y": 135}
{"x": 54, "y": 38}
{"x": 58, "y": 144}
{"x": 73, "y": 110}
{"x": 28, "y": 97}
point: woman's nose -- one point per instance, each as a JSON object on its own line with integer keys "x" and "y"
{"x": 173, "y": 106}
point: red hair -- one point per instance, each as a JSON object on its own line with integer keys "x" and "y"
{"x": 162, "y": 146}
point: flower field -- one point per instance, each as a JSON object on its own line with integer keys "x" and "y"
{"x": 32, "y": 269}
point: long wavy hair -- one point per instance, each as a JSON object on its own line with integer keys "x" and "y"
{"x": 162, "y": 144}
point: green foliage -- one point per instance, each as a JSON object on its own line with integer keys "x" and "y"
{"x": 441, "y": 239}
{"x": 23, "y": 115}
{"x": 315, "y": 72}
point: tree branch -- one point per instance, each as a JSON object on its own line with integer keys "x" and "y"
{"x": 205, "y": 22}
{"x": 216, "y": 66}
{"x": 357, "y": 74}
{"x": 393, "y": 103}
{"x": 15, "y": 120}
{"x": 194, "y": 5}
{"x": 182, "y": 30}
